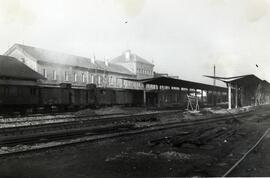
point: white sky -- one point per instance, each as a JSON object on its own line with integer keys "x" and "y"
{"x": 183, "y": 37}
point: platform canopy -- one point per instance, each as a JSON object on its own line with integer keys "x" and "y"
{"x": 172, "y": 82}
{"x": 244, "y": 80}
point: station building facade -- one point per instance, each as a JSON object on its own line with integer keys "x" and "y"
{"x": 136, "y": 64}
{"x": 59, "y": 67}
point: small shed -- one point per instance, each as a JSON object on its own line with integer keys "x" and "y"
{"x": 14, "y": 72}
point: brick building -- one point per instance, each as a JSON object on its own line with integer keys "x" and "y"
{"x": 59, "y": 67}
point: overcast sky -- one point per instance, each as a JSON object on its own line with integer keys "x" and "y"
{"x": 182, "y": 37}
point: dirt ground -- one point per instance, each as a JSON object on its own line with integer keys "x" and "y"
{"x": 257, "y": 163}
{"x": 206, "y": 150}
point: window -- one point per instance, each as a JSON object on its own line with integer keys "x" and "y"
{"x": 92, "y": 78}
{"x": 75, "y": 77}
{"x": 23, "y": 60}
{"x": 111, "y": 80}
{"x": 87, "y": 77}
{"x": 44, "y": 72}
{"x": 66, "y": 76}
{"x": 124, "y": 83}
{"x": 54, "y": 75}
{"x": 83, "y": 77}
{"x": 99, "y": 79}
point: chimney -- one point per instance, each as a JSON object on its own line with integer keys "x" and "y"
{"x": 93, "y": 58}
{"x": 106, "y": 61}
{"x": 127, "y": 55}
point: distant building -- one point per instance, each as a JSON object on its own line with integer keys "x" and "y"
{"x": 59, "y": 67}
{"x": 136, "y": 64}
{"x": 165, "y": 75}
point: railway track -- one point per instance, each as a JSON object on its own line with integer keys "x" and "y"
{"x": 63, "y": 117}
{"x": 78, "y": 125}
{"x": 79, "y": 122}
{"x": 71, "y": 117}
{"x": 93, "y": 133}
{"x": 237, "y": 164}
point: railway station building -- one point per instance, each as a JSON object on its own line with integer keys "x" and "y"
{"x": 136, "y": 64}
{"x": 59, "y": 67}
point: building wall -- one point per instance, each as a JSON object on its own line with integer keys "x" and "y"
{"x": 144, "y": 70}
{"x": 29, "y": 61}
{"x": 133, "y": 63}
{"x": 57, "y": 74}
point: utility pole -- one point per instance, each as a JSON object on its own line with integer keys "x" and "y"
{"x": 214, "y": 87}
{"x": 214, "y": 76}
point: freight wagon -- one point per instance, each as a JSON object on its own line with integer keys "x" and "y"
{"x": 64, "y": 96}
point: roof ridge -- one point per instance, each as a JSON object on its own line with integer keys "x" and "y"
{"x": 133, "y": 58}
{"x": 49, "y": 50}
{"x": 12, "y": 67}
{"x": 63, "y": 58}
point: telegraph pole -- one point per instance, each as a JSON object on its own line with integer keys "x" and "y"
{"x": 214, "y": 87}
{"x": 214, "y": 76}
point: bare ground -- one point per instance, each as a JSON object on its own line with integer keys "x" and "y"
{"x": 208, "y": 150}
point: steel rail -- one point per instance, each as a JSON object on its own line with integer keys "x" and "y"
{"x": 58, "y": 118}
{"x": 80, "y": 123}
{"x": 64, "y": 135}
{"x": 246, "y": 154}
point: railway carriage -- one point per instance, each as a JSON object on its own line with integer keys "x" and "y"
{"x": 18, "y": 97}
{"x": 105, "y": 97}
{"x": 123, "y": 97}
{"x": 54, "y": 96}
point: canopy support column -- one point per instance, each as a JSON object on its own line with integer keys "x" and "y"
{"x": 158, "y": 96}
{"x": 144, "y": 94}
{"x": 236, "y": 96}
{"x": 229, "y": 96}
{"x": 202, "y": 96}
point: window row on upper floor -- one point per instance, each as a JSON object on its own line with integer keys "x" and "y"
{"x": 85, "y": 77}
{"x": 145, "y": 71}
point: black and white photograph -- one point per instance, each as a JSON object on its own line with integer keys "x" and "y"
{"x": 134, "y": 88}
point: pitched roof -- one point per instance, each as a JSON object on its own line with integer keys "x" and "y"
{"x": 11, "y": 67}
{"x": 133, "y": 58}
{"x": 113, "y": 68}
{"x": 243, "y": 80}
{"x": 68, "y": 59}
{"x": 56, "y": 57}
